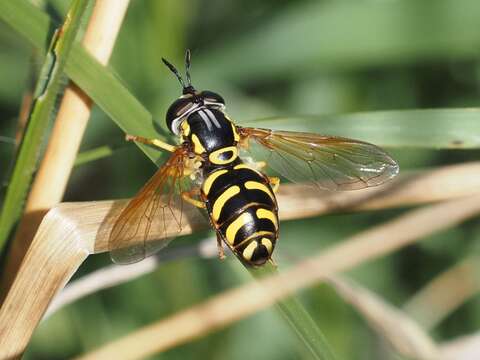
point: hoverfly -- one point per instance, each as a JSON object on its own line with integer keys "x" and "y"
{"x": 237, "y": 195}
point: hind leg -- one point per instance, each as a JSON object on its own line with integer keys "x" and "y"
{"x": 274, "y": 183}
{"x": 221, "y": 254}
{"x": 188, "y": 196}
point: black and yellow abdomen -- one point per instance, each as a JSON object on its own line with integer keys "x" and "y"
{"x": 239, "y": 199}
{"x": 243, "y": 209}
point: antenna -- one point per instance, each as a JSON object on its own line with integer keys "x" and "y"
{"x": 188, "y": 88}
{"x": 174, "y": 70}
{"x": 187, "y": 67}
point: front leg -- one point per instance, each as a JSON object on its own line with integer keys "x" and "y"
{"x": 154, "y": 142}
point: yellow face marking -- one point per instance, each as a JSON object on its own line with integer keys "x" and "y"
{"x": 197, "y": 145}
{"x": 268, "y": 244}
{"x": 207, "y": 185}
{"x": 248, "y": 251}
{"x": 185, "y": 128}
{"x": 255, "y": 185}
{"x": 267, "y": 214}
{"x": 233, "y": 228}
{"x": 236, "y": 137}
{"x": 222, "y": 199}
{"x": 214, "y": 157}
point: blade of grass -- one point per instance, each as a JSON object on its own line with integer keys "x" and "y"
{"x": 46, "y": 92}
{"x": 74, "y": 111}
{"x": 435, "y": 128}
{"x": 94, "y": 154}
{"x": 298, "y": 318}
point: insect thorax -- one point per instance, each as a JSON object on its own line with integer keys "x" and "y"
{"x": 211, "y": 135}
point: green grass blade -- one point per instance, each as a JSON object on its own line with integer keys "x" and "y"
{"x": 107, "y": 90}
{"x": 307, "y": 331}
{"x": 46, "y": 92}
{"x": 94, "y": 154}
{"x": 299, "y": 319}
{"x": 442, "y": 128}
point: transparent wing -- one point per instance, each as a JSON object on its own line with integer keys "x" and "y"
{"x": 331, "y": 163}
{"x": 153, "y": 217}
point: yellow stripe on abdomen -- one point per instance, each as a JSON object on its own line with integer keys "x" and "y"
{"x": 207, "y": 185}
{"x": 222, "y": 199}
{"x": 255, "y": 185}
{"x": 248, "y": 251}
{"x": 233, "y": 228}
{"x": 245, "y": 166}
{"x": 267, "y": 214}
{"x": 268, "y": 245}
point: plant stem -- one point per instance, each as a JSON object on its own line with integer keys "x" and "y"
{"x": 47, "y": 89}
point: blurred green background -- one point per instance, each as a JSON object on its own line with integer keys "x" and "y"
{"x": 269, "y": 58}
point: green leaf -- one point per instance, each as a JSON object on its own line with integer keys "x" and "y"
{"x": 298, "y": 319}
{"x": 442, "y": 128}
{"x": 46, "y": 91}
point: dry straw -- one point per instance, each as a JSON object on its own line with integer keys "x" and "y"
{"x": 216, "y": 313}
{"x": 71, "y": 231}
{"x": 445, "y": 293}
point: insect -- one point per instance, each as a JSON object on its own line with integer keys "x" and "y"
{"x": 237, "y": 195}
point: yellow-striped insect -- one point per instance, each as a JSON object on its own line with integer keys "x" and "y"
{"x": 238, "y": 196}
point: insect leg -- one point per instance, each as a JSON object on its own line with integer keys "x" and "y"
{"x": 154, "y": 142}
{"x": 221, "y": 254}
{"x": 274, "y": 183}
{"x": 188, "y": 197}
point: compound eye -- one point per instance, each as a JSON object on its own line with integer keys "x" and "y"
{"x": 212, "y": 98}
{"x": 177, "y": 110}
{"x": 183, "y": 109}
